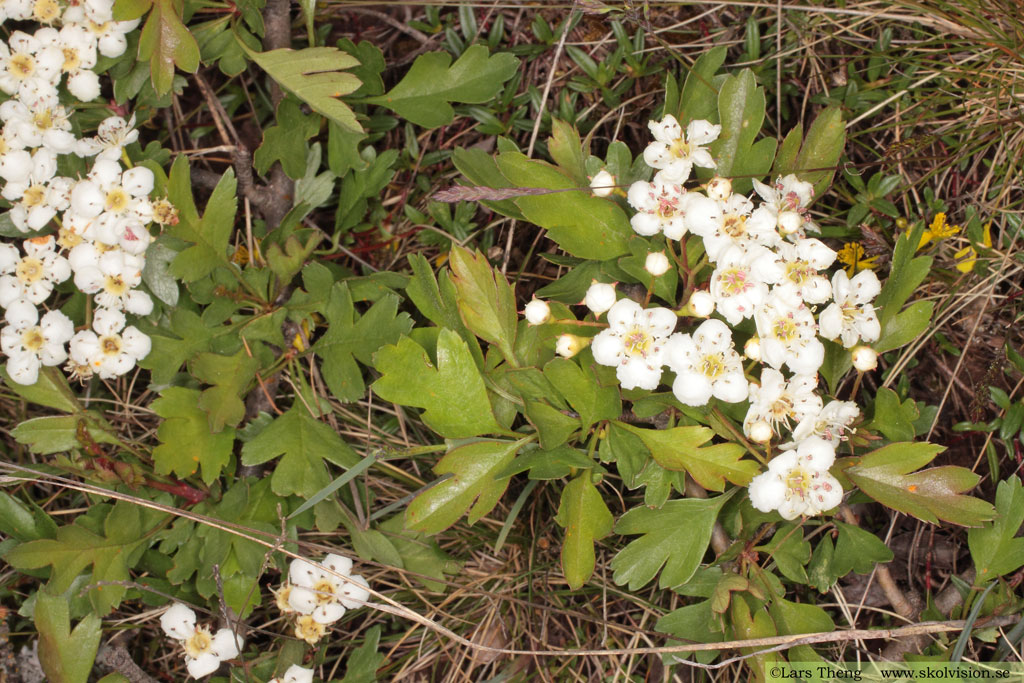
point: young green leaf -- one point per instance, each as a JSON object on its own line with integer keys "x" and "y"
{"x": 995, "y": 548}
{"x": 905, "y": 274}
{"x": 676, "y": 537}
{"x": 66, "y": 656}
{"x": 230, "y": 377}
{"x": 888, "y": 476}
{"x": 584, "y": 225}
{"x": 419, "y": 553}
{"x": 567, "y": 150}
{"x": 61, "y": 433}
{"x": 286, "y": 141}
{"x": 699, "y": 96}
{"x": 126, "y": 530}
{"x": 819, "y": 154}
{"x": 741, "y": 107}
{"x": 473, "y": 486}
{"x": 796, "y": 618}
{"x": 51, "y": 390}
{"x": 169, "y": 354}
{"x": 905, "y": 326}
{"x": 583, "y": 391}
{"x": 347, "y": 341}
{"x": 485, "y": 299}
{"x": 586, "y": 519}
{"x": 165, "y": 42}
{"x": 210, "y": 234}
{"x": 24, "y": 521}
{"x": 186, "y": 439}
{"x": 304, "y": 445}
{"x": 432, "y": 82}
{"x": 362, "y": 664}
{"x": 315, "y": 76}
{"x": 857, "y": 550}
{"x": 679, "y": 449}
{"x": 894, "y": 419}
{"x": 452, "y": 394}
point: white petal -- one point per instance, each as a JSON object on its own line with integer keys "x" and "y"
{"x": 23, "y": 368}
{"x": 354, "y": 593}
{"x": 328, "y": 612}
{"x": 204, "y": 665}
{"x": 225, "y": 644}
{"x": 179, "y": 621}
{"x": 692, "y": 389}
{"x": 302, "y": 600}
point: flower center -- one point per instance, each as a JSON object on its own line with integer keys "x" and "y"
{"x": 799, "y": 272}
{"x": 164, "y": 212}
{"x": 735, "y": 225}
{"x": 734, "y": 281}
{"x": 198, "y": 643}
{"x": 68, "y": 239}
{"x": 785, "y": 330}
{"x": 324, "y": 591}
{"x": 29, "y": 270}
{"x": 637, "y": 342}
{"x": 43, "y": 120}
{"x": 34, "y": 196}
{"x": 110, "y": 345}
{"x": 115, "y": 285}
{"x": 45, "y": 11}
{"x": 798, "y": 483}
{"x": 117, "y": 200}
{"x": 781, "y": 408}
{"x": 21, "y": 66}
{"x": 32, "y": 339}
{"x": 667, "y": 206}
{"x": 712, "y": 365}
{"x": 71, "y": 59}
{"x": 679, "y": 148}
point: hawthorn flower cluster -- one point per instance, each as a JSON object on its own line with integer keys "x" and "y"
{"x": 766, "y": 270}
{"x": 92, "y": 230}
{"x": 320, "y": 594}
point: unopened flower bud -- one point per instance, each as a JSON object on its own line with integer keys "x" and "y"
{"x": 657, "y": 263}
{"x": 600, "y": 297}
{"x": 537, "y": 312}
{"x": 864, "y": 358}
{"x": 602, "y": 184}
{"x": 719, "y": 188}
{"x": 568, "y": 345}
{"x": 761, "y": 432}
{"x": 701, "y": 305}
{"x": 789, "y": 222}
{"x": 752, "y": 349}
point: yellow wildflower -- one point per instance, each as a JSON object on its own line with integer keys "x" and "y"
{"x": 969, "y": 254}
{"x": 852, "y": 256}
{"x": 938, "y": 230}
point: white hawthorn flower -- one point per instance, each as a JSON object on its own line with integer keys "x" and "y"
{"x": 321, "y": 592}
{"x": 110, "y": 349}
{"x": 779, "y": 403}
{"x": 674, "y": 153}
{"x": 109, "y": 35}
{"x": 706, "y": 365}
{"x": 701, "y": 215}
{"x": 602, "y": 184}
{"x": 785, "y": 206}
{"x": 537, "y": 312}
{"x": 734, "y": 230}
{"x": 38, "y": 197}
{"x": 294, "y": 674}
{"x": 789, "y": 336}
{"x": 204, "y": 651}
{"x": 112, "y": 276}
{"x": 108, "y": 189}
{"x": 829, "y": 424}
{"x": 634, "y": 343}
{"x": 802, "y": 280}
{"x": 852, "y": 316}
{"x": 29, "y": 345}
{"x": 798, "y": 482}
{"x": 33, "y": 276}
{"x": 112, "y": 136}
{"x": 659, "y": 208}
{"x": 740, "y": 282}
{"x": 600, "y": 297}
{"x": 45, "y": 126}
